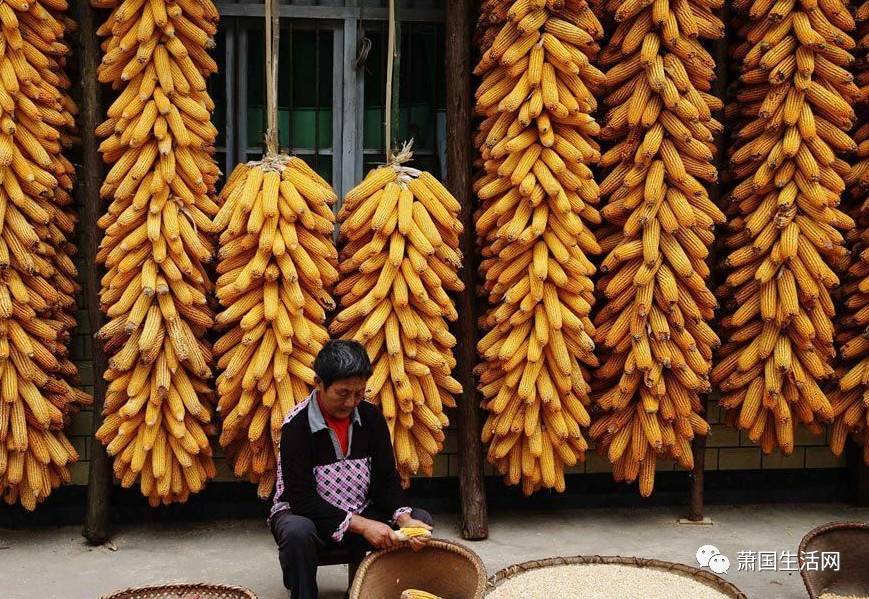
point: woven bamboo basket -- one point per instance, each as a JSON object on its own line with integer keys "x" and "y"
{"x": 447, "y": 569}
{"x": 851, "y": 541}
{"x": 184, "y": 591}
{"x": 707, "y": 578}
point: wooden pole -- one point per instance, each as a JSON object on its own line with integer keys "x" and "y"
{"x": 100, "y": 476}
{"x": 475, "y": 519}
{"x": 719, "y": 89}
{"x": 695, "y": 504}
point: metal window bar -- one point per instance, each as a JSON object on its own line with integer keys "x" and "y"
{"x": 344, "y": 20}
{"x": 412, "y": 33}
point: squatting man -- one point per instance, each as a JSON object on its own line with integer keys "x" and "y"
{"x": 337, "y": 484}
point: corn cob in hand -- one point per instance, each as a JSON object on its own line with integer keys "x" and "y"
{"x": 409, "y": 532}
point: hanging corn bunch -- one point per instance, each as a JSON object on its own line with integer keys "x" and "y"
{"x": 37, "y": 274}
{"x": 794, "y": 97}
{"x": 848, "y": 399}
{"x": 537, "y": 195}
{"x": 654, "y": 323}
{"x": 400, "y": 257}
{"x": 277, "y": 263}
{"x": 159, "y": 141}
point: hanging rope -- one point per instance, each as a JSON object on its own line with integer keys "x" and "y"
{"x": 390, "y": 68}
{"x": 273, "y": 33}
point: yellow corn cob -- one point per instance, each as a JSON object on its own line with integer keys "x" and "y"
{"x": 270, "y": 334}
{"x": 161, "y": 191}
{"x": 409, "y": 532}
{"x": 404, "y": 292}
{"x": 418, "y": 594}
{"x": 784, "y": 242}
{"x": 537, "y": 199}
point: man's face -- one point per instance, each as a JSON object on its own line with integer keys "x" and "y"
{"x": 342, "y": 396}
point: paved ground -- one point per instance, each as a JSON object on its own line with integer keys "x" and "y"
{"x": 56, "y": 564}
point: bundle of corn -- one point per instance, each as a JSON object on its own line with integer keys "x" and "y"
{"x": 159, "y": 140}
{"x": 654, "y": 325}
{"x": 795, "y": 97}
{"x": 537, "y": 195}
{"x": 277, "y": 264}
{"x": 848, "y": 399}
{"x": 400, "y": 257}
{"x": 36, "y": 273}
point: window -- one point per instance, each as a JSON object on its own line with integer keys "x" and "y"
{"x": 332, "y": 74}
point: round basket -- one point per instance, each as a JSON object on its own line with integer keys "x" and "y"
{"x": 851, "y": 541}
{"x": 446, "y": 569}
{"x": 184, "y": 591}
{"x": 707, "y": 578}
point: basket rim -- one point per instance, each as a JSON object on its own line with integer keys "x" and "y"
{"x": 451, "y": 546}
{"x": 181, "y": 587}
{"x": 809, "y": 583}
{"x": 709, "y": 578}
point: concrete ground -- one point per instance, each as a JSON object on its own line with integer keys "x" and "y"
{"x": 56, "y": 564}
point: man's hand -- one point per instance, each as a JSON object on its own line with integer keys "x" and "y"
{"x": 378, "y": 534}
{"x": 405, "y": 521}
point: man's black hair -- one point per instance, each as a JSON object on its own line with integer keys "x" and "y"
{"x": 341, "y": 359}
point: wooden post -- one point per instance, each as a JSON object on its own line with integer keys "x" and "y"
{"x": 695, "y": 504}
{"x": 475, "y": 520}
{"x": 859, "y": 473}
{"x": 719, "y": 89}
{"x": 101, "y": 476}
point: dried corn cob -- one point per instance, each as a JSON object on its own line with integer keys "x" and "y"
{"x": 37, "y": 284}
{"x": 159, "y": 141}
{"x": 794, "y": 97}
{"x": 408, "y": 532}
{"x": 418, "y": 594}
{"x": 537, "y": 197}
{"x": 277, "y": 264}
{"x": 400, "y": 257}
{"x": 654, "y": 325}
{"x": 848, "y": 399}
